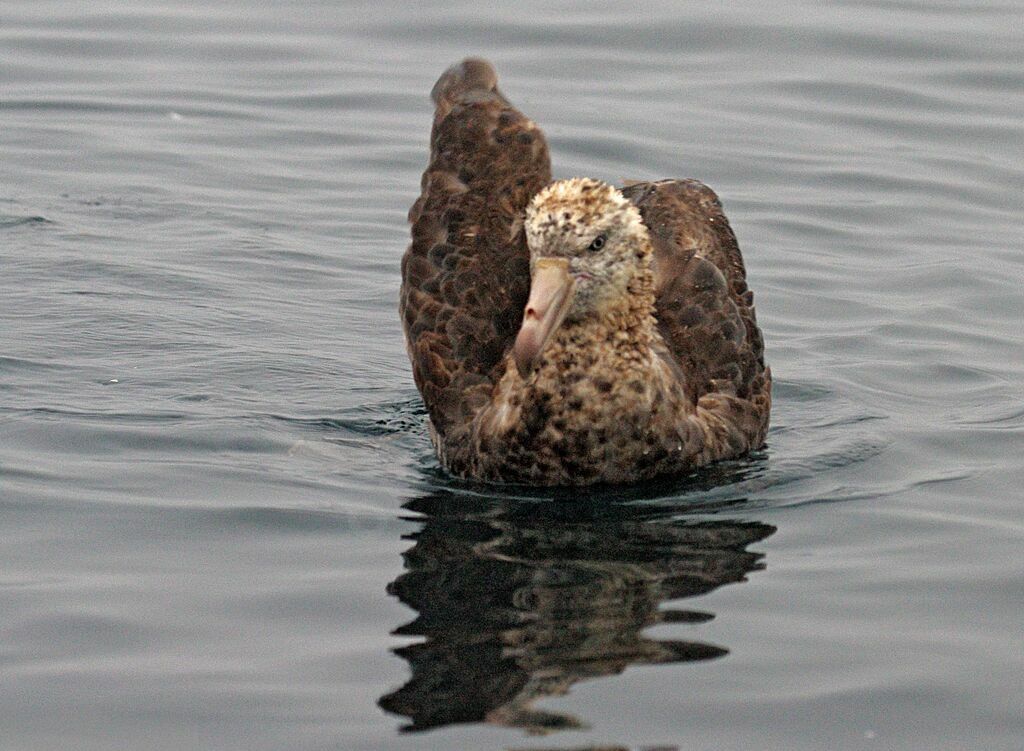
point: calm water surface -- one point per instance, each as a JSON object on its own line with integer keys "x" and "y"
{"x": 221, "y": 525}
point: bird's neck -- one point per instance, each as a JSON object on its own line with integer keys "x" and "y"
{"x": 628, "y": 324}
{"x": 618, "y": 343}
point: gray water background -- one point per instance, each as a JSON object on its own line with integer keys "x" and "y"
{"x": 221, "y": 525}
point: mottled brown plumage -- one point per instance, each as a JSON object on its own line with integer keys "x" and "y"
{"x": 638, "y": 353}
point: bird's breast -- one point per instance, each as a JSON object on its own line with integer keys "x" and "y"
{"x": 585, "y": 415}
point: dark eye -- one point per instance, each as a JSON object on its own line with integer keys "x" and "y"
{"x": 598, "y": 243}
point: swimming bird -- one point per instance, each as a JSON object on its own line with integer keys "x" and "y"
{"x": 571, "y": 332}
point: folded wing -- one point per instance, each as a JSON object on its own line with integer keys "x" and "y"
{"x": 705, "y": 311}
{"x": 465, "y": 277}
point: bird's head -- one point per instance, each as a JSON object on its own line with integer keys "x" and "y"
{"x": 588, "y": 247}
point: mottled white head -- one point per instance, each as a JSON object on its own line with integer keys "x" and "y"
{"x": 589, "y": 248}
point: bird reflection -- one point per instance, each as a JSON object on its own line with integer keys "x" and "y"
{"x": 518, "y": 600}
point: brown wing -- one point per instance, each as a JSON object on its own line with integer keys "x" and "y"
{"x": 705, "y": 311}
{"x": 465, "y": 277}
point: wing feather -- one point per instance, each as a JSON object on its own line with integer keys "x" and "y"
{"x": 704, "y": 309}
{"x": 465, "y": 276}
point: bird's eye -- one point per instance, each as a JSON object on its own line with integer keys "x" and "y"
{"x": 598, "y": 243}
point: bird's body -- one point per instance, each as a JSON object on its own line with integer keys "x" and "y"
{"x": 570, "y": 333}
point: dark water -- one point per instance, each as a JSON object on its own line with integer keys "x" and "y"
{"x": 221, "y": 525}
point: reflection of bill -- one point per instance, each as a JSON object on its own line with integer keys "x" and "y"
{"x": 518, "y": 601}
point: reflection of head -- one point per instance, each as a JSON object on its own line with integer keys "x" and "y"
{"x": 518, "y": 601}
